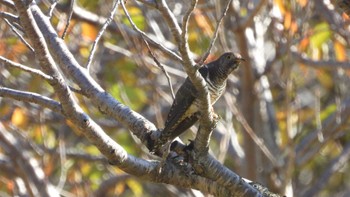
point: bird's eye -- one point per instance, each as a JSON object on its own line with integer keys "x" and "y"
{"x": 228, "y": 57}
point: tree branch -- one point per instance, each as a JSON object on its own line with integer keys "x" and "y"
{"x": 169, "y": 17}
{"x": 100, "y": 33}
{"x": 216, "y": 33}
{"x": 143, "y": 35}
{"x": 327, "y": 64}
{"x": 35, "y": 72}
{"x": 104, "y": 101}
{"x": 31, "y": 97}
{"x": 113, "y": 151}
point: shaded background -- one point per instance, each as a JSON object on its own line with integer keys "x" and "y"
{"x": 284, "y": 116}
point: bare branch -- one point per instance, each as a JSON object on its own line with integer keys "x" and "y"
{"x": 104, "y": 101}
{"x": 19, "y": 35}
{"x": 10, "y": 17}
{"x": 330, "y": 64}
{"x": 70, "y": 14}
{"x": 211, "y": 168}
{"x": 206, "y": 121}
{"x": 52, "y": 7}
{"x": 258, "y": 141}
{"x": 169, "y": 17}
{"x": 143, "y": 35}
{"x": 100, "y": 33}
{"x": 31, "y": 97}
{"x": 206, "y": 54}
{"x": 72, "y": 111}
{"x": 128, "y": 53}
{"x": 162, "y": 68}
{"x": 8, "y": 3}
{"x": 147, "y": 38}
{"x": 36, "y": 72}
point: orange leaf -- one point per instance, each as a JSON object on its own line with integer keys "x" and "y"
{"x": 19, "y": 47}
{"x": 73, "y": 127}
{"x": 281, "y": 6}
{"x": 19, "y": 117}
{"x": 340, "y": 52}
{"x": 345, "y": 16}
{"x": 293, "y": 27}
{"x": 304, "y": 43}
{"x": 89, "y": 31}
{"x": 302, "y": 3}
{"x": 202, "y": 22}
{"x": 287, "y": 20}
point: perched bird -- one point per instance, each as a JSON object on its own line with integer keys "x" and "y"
{"x": 185, "y": 110}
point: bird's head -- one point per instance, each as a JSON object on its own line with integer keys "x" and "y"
{"x": 230, "y": 61}
{"x": 221, "y": 68}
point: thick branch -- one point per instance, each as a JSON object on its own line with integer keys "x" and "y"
{"x": 72, "y": 111}
{"x": 169, "y": 17}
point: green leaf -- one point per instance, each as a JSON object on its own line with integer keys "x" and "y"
{"x": 322, "y": 34}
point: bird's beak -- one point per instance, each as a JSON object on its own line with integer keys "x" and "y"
{"x": 241, "y": 59}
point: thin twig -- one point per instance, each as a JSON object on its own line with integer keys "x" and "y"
{"x": 206, "y": 121}
{"x": 52, "y": 7}
{"x": 258, "y": 141}
{"x": 146, "y": 37}
{"x": 8, "y": 3}
{"x": 327, "y": 64}
{"x": 31, "y": 97}
{"x": 128, "y": 53}
{"x": 184, "y": 48}
{"x": 72, "y": 2}
{"x": 33, "y": 71}
{"x": 10, "y": 17}
{"x": 170, "y": 19}
{"x": 19, "y": 35}
{"x": 205, "y": 56}
{"x": 162, "y": 68}
{"x": 100, "y": 33}
{"x": 149, "y": 49}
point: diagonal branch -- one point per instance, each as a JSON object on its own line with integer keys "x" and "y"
{"x": 113, "y": 151}
{"x": 143, "y": 35}
{"x": 147, "y": 38}
{"x": 169, "y": 17}
{"x": 100, "y": 33}
{"x": 206, "y": 54}
{"x": 69, "y": 18}
{"x": 33, "y": 71}
{"x": 19, "y": 35}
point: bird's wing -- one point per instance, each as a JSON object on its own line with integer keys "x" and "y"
{"x": 184, "y": 125}
{"x": 183, "y": 100}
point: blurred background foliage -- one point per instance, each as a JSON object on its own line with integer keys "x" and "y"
{"x": 292, "y": 93}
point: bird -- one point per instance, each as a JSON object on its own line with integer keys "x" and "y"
{"x": 185, "y": 110}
